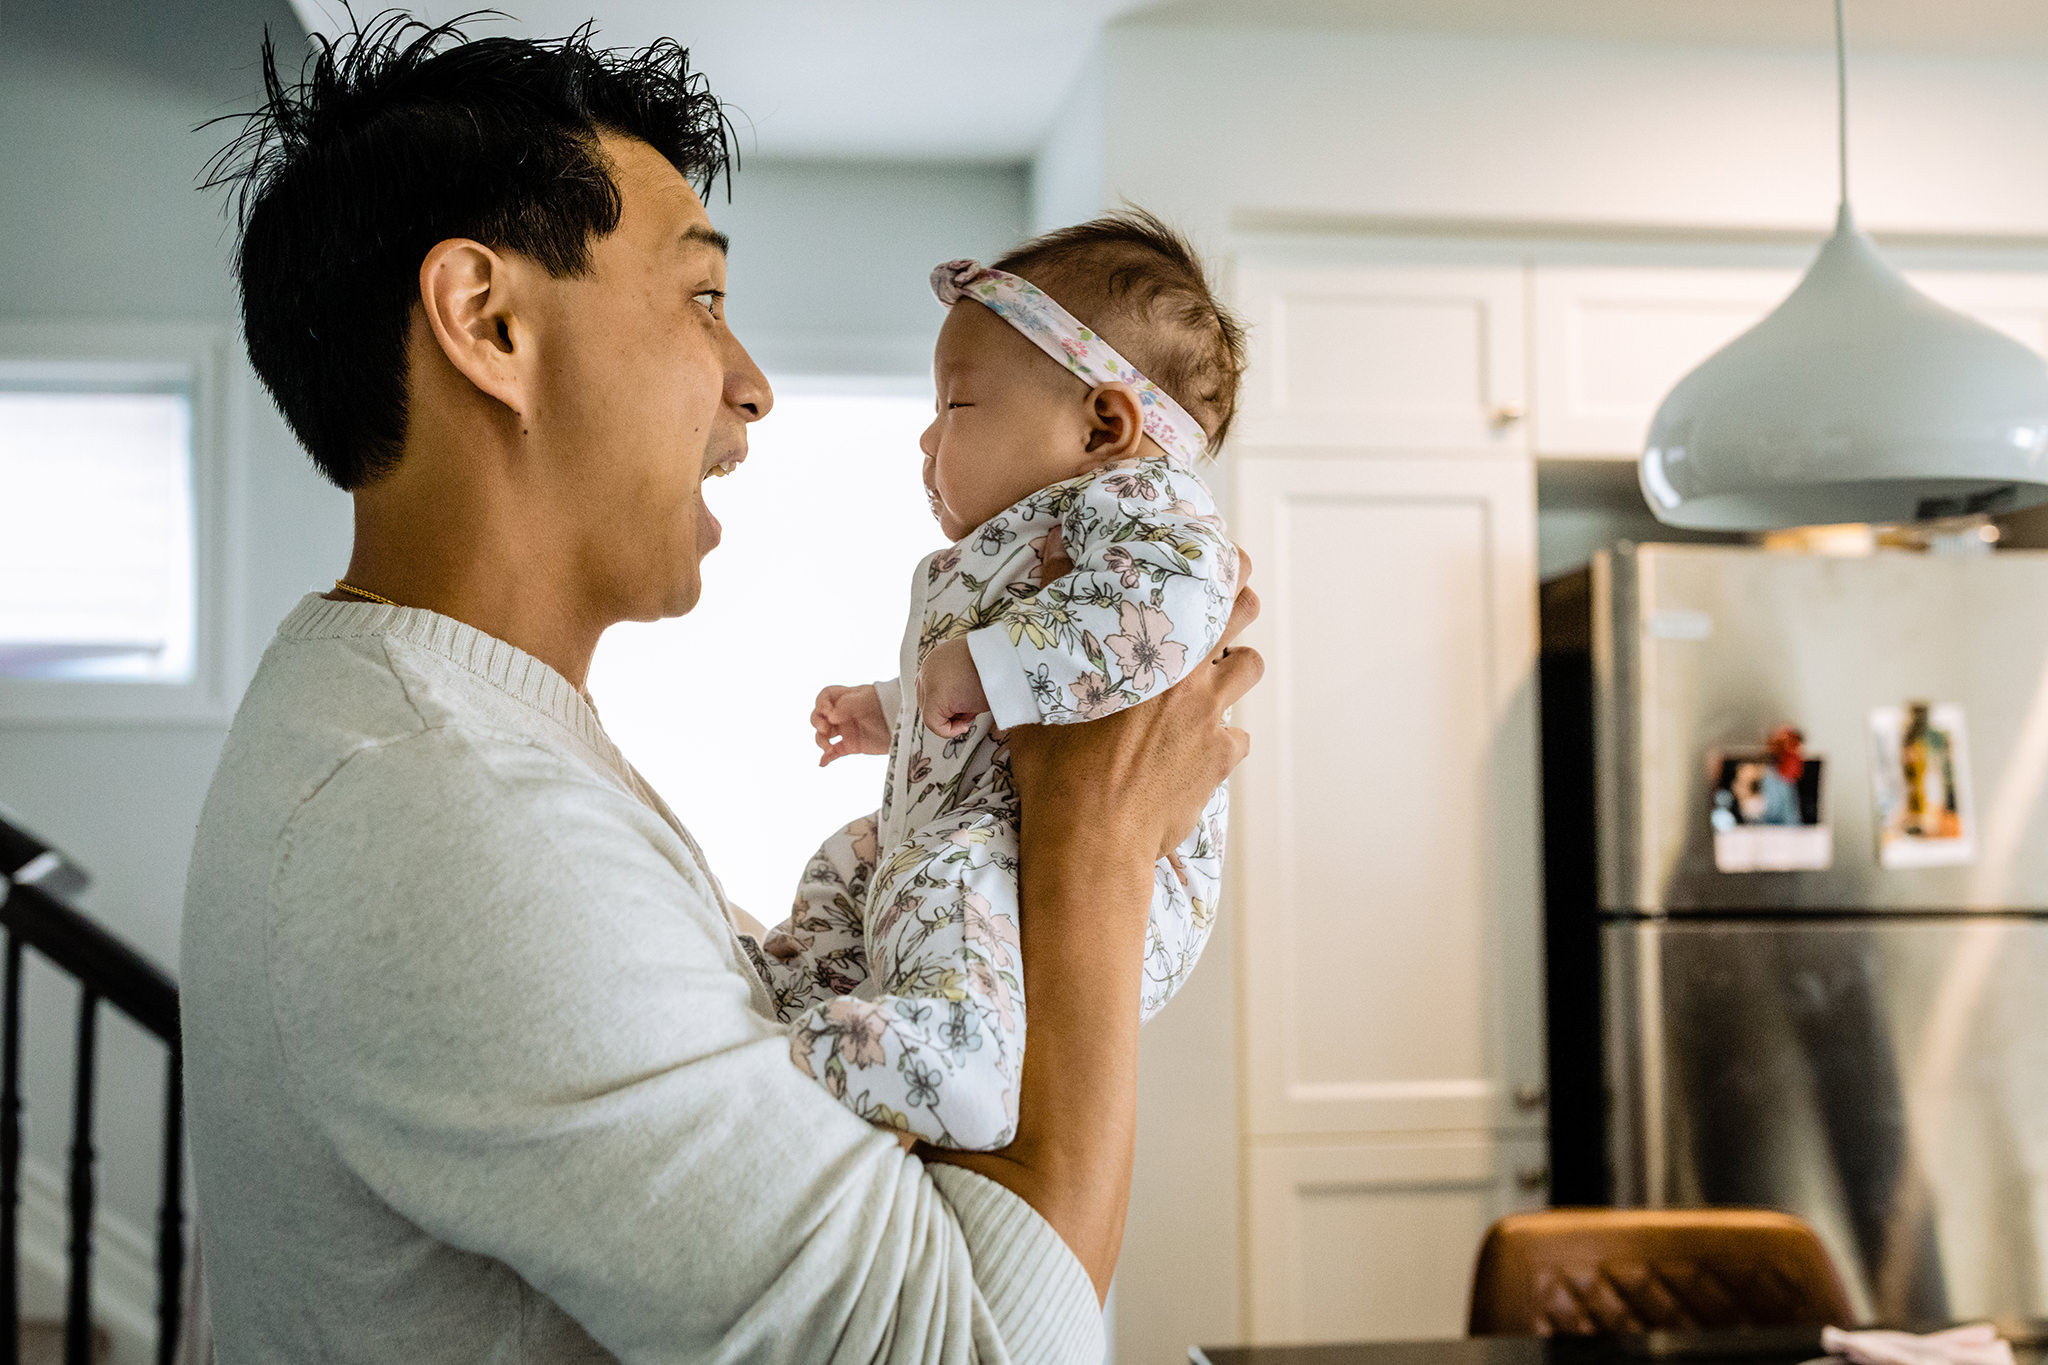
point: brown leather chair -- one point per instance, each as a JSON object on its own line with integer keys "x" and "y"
{"x": 1595, "y": 1272}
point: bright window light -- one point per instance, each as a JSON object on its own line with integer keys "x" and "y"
{"x": 96, "y": 540}
{"x": 823, "y": 525}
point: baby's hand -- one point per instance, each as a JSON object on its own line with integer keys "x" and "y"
{"x": 949, "y": 694}
{"x": 849, "y": 720}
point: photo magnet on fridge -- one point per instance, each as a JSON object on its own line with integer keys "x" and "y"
{"x": 1765, "y": 807}
{"x": 1920, "y": 778}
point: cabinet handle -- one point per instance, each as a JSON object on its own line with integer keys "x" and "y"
{"x": 1532, "y": 1177}
{"x": 1531, "y": 1097}
{"x": 1507, "y": 414}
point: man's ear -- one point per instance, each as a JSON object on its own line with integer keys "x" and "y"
{"x": 468, "y": 292}
{"x": 1116, "y": 422}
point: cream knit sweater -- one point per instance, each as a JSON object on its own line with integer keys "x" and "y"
{"x": 477, "y": 1071}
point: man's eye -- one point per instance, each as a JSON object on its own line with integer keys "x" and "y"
{"x": 713, "y": 301}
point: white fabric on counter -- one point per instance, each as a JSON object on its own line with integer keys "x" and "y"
{"x": 1977, "y": 1344}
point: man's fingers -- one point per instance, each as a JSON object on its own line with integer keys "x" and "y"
{"x": 1237, "y": 672}
{"x": 1240, "y": 744}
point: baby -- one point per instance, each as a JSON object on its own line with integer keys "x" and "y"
{"x": 1089, "y": 571}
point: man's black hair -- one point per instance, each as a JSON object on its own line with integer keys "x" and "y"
{"x": 400, "y": 135}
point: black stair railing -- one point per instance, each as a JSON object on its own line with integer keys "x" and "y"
{"x": 37, "y": 914}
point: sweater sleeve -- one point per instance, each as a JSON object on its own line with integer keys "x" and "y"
{"x": 1148, "y": 597}
{"x": 511, "y": 1004}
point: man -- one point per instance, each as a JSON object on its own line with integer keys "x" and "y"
{"x": 477, "y": 1069}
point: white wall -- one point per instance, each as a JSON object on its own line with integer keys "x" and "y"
{"x": 1235, "y": 131}
{"x": 830, "y": 259}
{"x": 1211, "y": 122}
{"x": 99, "y": 219}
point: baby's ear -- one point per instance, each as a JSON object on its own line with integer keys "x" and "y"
{"x": 1116, "y": 422}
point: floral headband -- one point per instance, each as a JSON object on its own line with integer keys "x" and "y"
{"x": 1060, "y": 335}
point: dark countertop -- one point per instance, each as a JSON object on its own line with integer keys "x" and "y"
{"x": 1773, "y": 1346}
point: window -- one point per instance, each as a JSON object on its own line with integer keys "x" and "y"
{"x": 111, "y": 542}
{"x": 96, "y": 538}
{"x": 809, "y": 586}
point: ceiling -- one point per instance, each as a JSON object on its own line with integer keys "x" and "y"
{"x": 1970, "y": 27}
{"x": 983, "y": 79}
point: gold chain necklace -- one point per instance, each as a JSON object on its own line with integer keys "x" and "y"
{"x": 340, "y": 586}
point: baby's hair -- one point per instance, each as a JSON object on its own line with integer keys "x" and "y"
{"x": 1135, "y": 280}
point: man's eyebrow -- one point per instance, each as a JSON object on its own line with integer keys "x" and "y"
{"x": 697, "y": 232}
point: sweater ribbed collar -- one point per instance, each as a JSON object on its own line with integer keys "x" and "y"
{"x": 506, "y": 667}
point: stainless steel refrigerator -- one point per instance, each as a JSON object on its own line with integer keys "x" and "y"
{"x": 1852, "y": 1026}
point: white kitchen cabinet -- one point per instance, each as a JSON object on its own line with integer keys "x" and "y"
{"x": 1377, "y": 1239}
{"x": 1608, "y": 343}
{"x": 1390, "y": 881}
{"x": 1386, "y": 867}
{"x": 2015, "y": 302}
{"x": 1407, "y": 357}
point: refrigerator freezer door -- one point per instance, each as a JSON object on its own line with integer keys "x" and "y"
{"x": 1884, "y": 1078}
{"x": 1701, "y": 649}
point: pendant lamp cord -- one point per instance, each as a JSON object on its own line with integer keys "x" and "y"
{"x": 1841, "y": 106}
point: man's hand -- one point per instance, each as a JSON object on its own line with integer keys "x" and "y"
{"x": 949, "y": 694}
{"x": 849, "y": 720}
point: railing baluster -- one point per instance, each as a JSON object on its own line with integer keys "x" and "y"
{"x": 78, "y": 1309}
{"x": 10, "y": 1153}
{"x": 36, "y": 914}
{"x": 170, "y": 1240}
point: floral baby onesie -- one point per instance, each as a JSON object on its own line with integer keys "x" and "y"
{"x": 898, "y": 971}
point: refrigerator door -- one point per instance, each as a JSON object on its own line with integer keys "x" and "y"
{"x": 1885, "y": 1078}
{"x": 1699, "y": 649}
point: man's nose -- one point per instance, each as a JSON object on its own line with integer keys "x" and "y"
{"x": 746, "y": 388}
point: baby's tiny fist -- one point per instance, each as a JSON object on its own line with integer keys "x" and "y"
{"x": 849, "y": 720}
{"x": 949, "y": 692}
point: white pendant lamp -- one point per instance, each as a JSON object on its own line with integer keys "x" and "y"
{"x": 1859, "y": 399}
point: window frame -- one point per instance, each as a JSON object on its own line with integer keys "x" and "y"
{"x": 196, "y": 356}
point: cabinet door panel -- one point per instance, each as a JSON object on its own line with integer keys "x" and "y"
{"x": 1377, "y": 1242}
{"x": 1388, "y": 848}
{"x": 1611, "y": 342}
{"x": 1399, "y": 357}
{"x": 2015, "y": 302}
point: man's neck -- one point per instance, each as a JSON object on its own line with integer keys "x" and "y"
{"x": 477, "y": 560}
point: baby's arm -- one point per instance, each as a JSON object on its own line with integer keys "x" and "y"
{"x": 1150, "y": 591}
{"x": 818, "y": 952}
{"x": 855, "y": 720}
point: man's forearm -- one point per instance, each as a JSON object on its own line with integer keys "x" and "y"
{"x": 1085, "y": 902}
